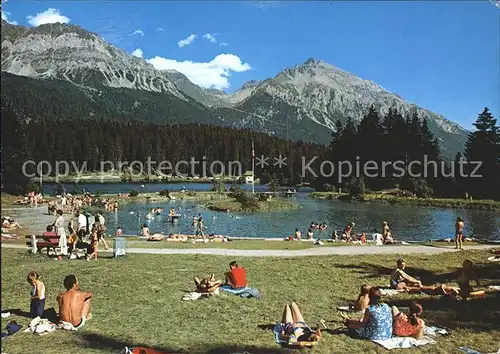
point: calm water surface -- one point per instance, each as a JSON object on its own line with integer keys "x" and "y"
{"x": 406, "y": 222}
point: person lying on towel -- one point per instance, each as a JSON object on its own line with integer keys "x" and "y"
{"x": 293, "y": 330}
{"x": 207, "y": 285}
{"x": 237, "y": 276}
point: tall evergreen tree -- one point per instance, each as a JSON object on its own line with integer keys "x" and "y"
{"x": 484, "y": 145}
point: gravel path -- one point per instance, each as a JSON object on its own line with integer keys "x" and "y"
{"x": 319, "y": 251}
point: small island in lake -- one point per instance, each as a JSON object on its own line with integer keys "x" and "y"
{"x": 247, "y": 202}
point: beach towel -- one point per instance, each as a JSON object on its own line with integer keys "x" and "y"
{"x": 278, "y": 328}
{"x": 472, "y": 351}
{"x": 142, "y": 350}
{"x": 404, "y": 342}
{"x": 390, "y": 292}
{"x": 194, "y": 295}
{"x": 5, "y": 314}
{"x": 494, "y": 287}
{"x": 434, "y": 331}
{"x": 244, "y": 292}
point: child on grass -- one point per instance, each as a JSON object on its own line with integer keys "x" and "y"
{"x": 37, "y": 303}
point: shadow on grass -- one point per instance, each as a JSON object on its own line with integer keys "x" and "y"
{"x": 489, "y": 271}
{"x": 97, "y": 341}
{"x": 18, "y": 312}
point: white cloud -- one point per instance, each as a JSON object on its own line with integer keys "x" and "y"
{"x": 48, "y": 16}
{"x": 139, "y": 32}
{"x": 212, "y": 74}
{"x": 138, "y": 53}
{"x": 159, "y": 29}
{"x": 210, "y": 37}
{"x": 187, "y": 41}
{"x": 5, "y": 17}
{"x": 223, "y": 44}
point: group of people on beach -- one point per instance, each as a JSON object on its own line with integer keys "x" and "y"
{"x": 85, "y": 233}
{"x": 71, "y": 204}
{"x": 347, "y": 234}
{"x": 379, "y": 321}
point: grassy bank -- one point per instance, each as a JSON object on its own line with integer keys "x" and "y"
{"x": 491, "y": 205}
{"x": 116, "y": 177}
{"x": 233, "y": 205}
{"x": 434, "y": 202}
{"x": 135, "y": 302}
{"x": 325, "y": 195}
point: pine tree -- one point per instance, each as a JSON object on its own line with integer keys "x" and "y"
{"x": 484, "y": 145}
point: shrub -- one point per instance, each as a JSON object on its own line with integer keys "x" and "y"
{"x": 329, "y": 187}
{"x": 164, "y": 192}
{"x": 133, "y": 193}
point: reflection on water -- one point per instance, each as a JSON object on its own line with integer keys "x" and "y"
{"x": 406, "y": 222}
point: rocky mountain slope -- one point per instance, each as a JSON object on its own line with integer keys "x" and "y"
{"x": 302, "y": 102}
{"x": 318, "y": 92}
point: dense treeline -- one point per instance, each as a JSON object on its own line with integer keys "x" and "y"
{"x": 377, "y": 141}
{"x": 90, "y": 142}
{"x": 384, "y": 140}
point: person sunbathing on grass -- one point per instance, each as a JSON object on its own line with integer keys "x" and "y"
{"x": 400, "y": 280}
{"x": 293, "y": 330}
{"x": 74, "y": 305}
{"x": 207, "y": 285}
{"x": 408, "y": 326}
{"x": 156, "y": 237}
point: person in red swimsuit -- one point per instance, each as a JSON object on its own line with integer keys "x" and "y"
{"x": 408, "y": 326}
{"x": 237, "y": 276}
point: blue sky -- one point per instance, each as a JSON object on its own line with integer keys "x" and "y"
{"x": 443, "y": 56}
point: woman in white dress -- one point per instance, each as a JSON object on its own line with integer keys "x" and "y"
{"x": 59, "y": 225}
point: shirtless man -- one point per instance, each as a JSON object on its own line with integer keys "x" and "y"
{"x": 74, "y": 305}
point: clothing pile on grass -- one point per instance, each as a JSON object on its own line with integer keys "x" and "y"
{"x": 41, "y": 326}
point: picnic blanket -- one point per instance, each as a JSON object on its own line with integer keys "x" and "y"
{"x": 390, "y": 292}
{"x": 142, "y": 350}
{"x": 195, "y": 295}
{"x": 278, "y": 328}
{"x": 408, "y": 342}
{"x": 404, "y": 342}
{"x": 244, "y": 292}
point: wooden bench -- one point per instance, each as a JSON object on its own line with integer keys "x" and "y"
{"x": 48, "y": 242}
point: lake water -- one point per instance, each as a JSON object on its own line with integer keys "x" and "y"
{"x": 407, "y": 222}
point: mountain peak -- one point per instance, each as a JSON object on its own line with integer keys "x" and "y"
{"x": 312, "y": 62}
{"x": 249, "y": 84}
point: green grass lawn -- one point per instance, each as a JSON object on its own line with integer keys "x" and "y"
{"x": 137, "y": 301}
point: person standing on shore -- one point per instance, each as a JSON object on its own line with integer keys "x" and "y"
{"x": 459, "y": 233}
{"x": 61, "y": 232}
{"x": 199, "y": 230}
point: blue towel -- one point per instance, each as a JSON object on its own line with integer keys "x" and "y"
{"x": 244, "y": 292}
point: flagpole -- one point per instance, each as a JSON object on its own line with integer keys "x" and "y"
{"x": 253, "y": 169}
